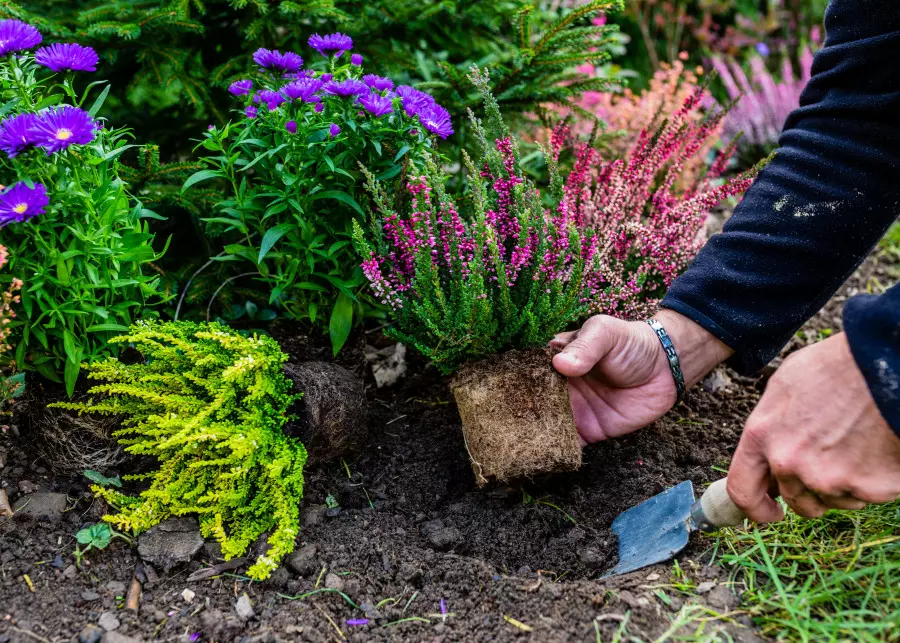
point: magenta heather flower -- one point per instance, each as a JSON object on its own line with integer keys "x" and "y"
{"x": 251, "y": 111}
{"x": 333, "y": 43}
{"x": 356, "y": 59}
{"x": 291, "y": 126}
{"x": 67, "y": 57}
{"x": 334, "y": 130}
{"x": 347, "y": 88}
{"x": 271, "y": 98}
{"x": 16, "y": 35}
{"x": 58, "y": 128}
{"x": 20, "y": 202}
{"x": 304, "y": 89}
{"x": 378, "y": 83}
{"x": 376, "y": 104}
{"x": 15, "y": 134}
{"x": 275, "y": 61}
{"x": 241, "y": 87}
{"x": 436, "y": 120}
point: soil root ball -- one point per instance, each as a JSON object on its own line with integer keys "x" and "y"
{"x": 68, "y": 442}
{"x": 332, "y": 417}
{"x": 516, "y": 417}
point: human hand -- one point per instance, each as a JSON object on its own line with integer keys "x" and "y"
{"x": 619, "y": 377}
{"x": 816, "y": 438}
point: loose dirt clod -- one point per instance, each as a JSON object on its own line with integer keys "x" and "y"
{"x": 516, "y": 417}
{"x": 332, "y": 416}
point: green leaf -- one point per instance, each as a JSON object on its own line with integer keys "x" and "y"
{"x": 402, "y": 152}
{"x": 340, "y": 196}
{"x": 15, "y": 385}
{"x": 389, "y": 173}
{"x": 271, "y": 236}
{"x": 102, "y": 480}
{"x": 106, "y": 328}
{"x": 98, "y": 104}
{"x": 71, "y": 375}
{"x": 198, "y": 177}
{"x": 341, "y": 322}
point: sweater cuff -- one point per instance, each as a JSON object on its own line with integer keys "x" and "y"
{"x": 873, "y": 333}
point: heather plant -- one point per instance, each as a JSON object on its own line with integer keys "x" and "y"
{"x": 647, "y": 226}
{"x": 462, "y": 285}
{"x": 762, "y": 102}
{"x": 208, "y": 404}
{"x": 73, "y": 232}
{"x": 291, "y": 161}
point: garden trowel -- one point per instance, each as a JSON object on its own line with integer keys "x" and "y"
{"x": 658, "y": 528}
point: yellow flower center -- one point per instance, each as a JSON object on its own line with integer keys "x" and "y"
{"x": 22, "y": 208}
{"x": 63, "y": 134}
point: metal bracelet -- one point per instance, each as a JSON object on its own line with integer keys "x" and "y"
{"x": 671, "y": 355}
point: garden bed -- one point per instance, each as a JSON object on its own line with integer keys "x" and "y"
{"x": 419, "y": 550}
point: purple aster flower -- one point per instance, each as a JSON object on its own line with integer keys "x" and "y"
{"x": 356, "y": 59}
{"x": 251, "y": 111}
{"x": 241, "y": 87}
{"x": 60, "y": 127}
{"x": 379, "y": 83}
{"x": 291, "y": 126}
{"x": 436, "y": 120}
{"x": 327, "y": 77}
{"x": 414, "y": 101}
{"x": 334, "y": 130}
{"x": 270, "y": 98}
{"x": 20, "y": 202}
{"x": 319, "y": 108}
{"x": 15, "y": 134}
{"x": 275, "y": 61}
{"x": 347, "y": 88}
{"x": 304, "y": 89}
{"x": 376, "y": 104}
{"x": 336, "y": 43}
{"x": 67, "y": 57}
{"x": 16, "y": 35}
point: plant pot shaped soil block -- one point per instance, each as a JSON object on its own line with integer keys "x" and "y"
{"x": 516, "y": 417}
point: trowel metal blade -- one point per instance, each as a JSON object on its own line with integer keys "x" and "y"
{"x": 655, "y": 530}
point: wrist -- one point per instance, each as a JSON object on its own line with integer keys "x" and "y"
{"x": 699, "y": 351}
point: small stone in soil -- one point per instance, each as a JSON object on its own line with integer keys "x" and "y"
{"x": 705, "y": 587}
{"x": 188, "y": 595}
{"x": 115, "y": 637}
{"x": 439, "y": 536}
{"x": 333, "y": 581}
{"x": 27, "y": 486}
{"x": 303, "y": 561}
{"x": 90, "y": 634}
{"x": 90, "y": 596}
{"x": 333, "y": 512}
{"x": 172, "y": 541}
{"x": 46, "y": 506}
{"x": 108, "y": 621}
{"x": 70, "y": 572}
{"x": 244, "y": 608}
{"x": 117, "y": 587}
{"x": 313, "y": 516}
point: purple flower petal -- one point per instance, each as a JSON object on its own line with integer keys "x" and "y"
{"x": 336, "y": 43}
{"x": 58, "y": 128}
{"x": 67, "y": 57}
{"x": 355, "y": 622}
{"x": 19, "y": 202}
{"x": 16, "y": 35}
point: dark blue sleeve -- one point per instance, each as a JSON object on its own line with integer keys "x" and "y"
{"x": 820, "y": 206}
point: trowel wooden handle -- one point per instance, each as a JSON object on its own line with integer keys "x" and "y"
{"x": 716, "y": 508}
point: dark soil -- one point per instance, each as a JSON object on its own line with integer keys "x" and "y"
{"x": 415, "y": 545}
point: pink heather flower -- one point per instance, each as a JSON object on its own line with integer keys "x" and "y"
{"x": 241, "y": 87}
{"x": 58, "y": 128}
{"x": 356, "y": 60}
{"x": 291, "y": 127}
{"x": 15, "y": 134}
{"x": 334, "y": 130}
{"x": 19, "y": 203}
{"x": 67, "y": 57}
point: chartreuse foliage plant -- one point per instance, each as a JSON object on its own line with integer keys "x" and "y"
{"x": 76, "y": 238}
{"x": 209, "y": 405}
{"x": 291, "y": 163}
{"x": 506, "y": 273}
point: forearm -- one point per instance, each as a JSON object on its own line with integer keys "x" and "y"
{"x": 820, "y": 206}
{"x": 699, "y": 351}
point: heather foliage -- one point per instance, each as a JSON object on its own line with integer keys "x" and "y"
{"x": 209, "y": 405}
{"x": 74, "y": 234}
{"x": 647, "y": 218}
{"x": 291, "y": 161}
{"x": 505, "y": 273}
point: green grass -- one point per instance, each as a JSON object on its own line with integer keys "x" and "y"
{"x": 836, "y": 578}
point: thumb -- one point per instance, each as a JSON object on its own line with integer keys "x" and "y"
{"x": 750, "y": 481}
{"x": 588, "y": 346}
